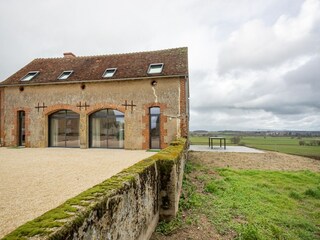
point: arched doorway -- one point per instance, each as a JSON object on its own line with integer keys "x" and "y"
{"x": 64, "y": 129}
{"x": 106, "y": 129}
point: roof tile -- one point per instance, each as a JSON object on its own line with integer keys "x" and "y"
{"x": 129, "y": 65}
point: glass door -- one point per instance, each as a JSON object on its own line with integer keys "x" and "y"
{"x": 64, "y": 129}
{"x": 21, "y": 131}
{"x": 155, "y": 128}
{"x": 107, "y": 129}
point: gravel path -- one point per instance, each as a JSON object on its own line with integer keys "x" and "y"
{"x": 264, "y": 161}
{"x": 35, "y": 180}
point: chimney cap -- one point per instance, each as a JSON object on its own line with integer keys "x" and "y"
{"x": 69, "y": 55}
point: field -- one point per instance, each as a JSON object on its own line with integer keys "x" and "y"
{"x": 250, "y": 203}
{"x": 278, "y": 144}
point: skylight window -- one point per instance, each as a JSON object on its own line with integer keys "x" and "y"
{"x": 29, "y": 76}
{"x": 109, "y": 72}
{"x": 155, "y": 68}
{"x": 65, "y": 74}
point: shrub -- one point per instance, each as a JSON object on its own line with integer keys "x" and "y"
{"x": 315, "y": 142}
{"x": 313, "y": 193}
{"x": 302, "y": 143}
{"x": 235, "y": 140}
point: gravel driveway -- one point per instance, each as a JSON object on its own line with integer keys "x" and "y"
{"x": 35, "y": 180}
{"x": 264, "y": 161}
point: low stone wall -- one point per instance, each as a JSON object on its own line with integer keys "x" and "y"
{"x": 126, "y": 206}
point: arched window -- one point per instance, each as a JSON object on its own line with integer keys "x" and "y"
{"x": 154, "y": 113}
{"x": 64, "y": 129}
{"x": 106, "y": 129}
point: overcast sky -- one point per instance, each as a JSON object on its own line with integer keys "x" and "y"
{"x": 253, "y": 64}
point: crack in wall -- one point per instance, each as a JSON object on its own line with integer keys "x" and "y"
{"x": 155, "y": 95}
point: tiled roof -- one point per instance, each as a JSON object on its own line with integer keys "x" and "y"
{"x": 129, "y": 65}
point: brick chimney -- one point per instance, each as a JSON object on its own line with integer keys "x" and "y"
{"x": 69, "y": 55}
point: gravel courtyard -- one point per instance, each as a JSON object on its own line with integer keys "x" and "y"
{"x": 35, "y": 180}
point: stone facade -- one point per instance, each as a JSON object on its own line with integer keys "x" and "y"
{"x": 31, "y": 95}
{"x": 166, "y": 94}
{"x": 1, "y": 116}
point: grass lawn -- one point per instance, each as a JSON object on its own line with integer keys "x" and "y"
{"x": 278, "y": 144}
{"x": 248, "y": 204}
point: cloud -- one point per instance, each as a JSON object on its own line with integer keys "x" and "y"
{"x": 256, "y": 45}
{"x": 252, "y": 64}
{"x": 267, "y": 76}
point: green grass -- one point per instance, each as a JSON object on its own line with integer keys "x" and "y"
{"x": 279, "y": 144}
{"x": 253, "y": 204}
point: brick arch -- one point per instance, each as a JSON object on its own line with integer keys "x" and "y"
{"x": 52, "y": 109}
{"x": 145, "y": 120}
{"x": 101, "y": 106}
{"x": 57, "y": 107}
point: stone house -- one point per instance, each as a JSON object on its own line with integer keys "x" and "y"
{"x": 132, "y": 101}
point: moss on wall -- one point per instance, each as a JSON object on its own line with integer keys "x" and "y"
{"x": 66, "y": 218}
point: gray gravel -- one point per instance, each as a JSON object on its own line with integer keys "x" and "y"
{"x": 35, "y": 180}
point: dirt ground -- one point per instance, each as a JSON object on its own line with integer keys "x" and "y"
{"x": 263, "y": 161}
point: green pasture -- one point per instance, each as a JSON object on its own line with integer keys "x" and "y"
{"x": 279, "y": 144}
{"x": 249, "y": 204}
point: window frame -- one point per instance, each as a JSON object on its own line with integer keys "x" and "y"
{"x": 105, "y": 114}
{"x": 154, "y": 65}
{"x": 35, "y": 73}
{"x": 158, "y": 114}
{"x": 104, "y": 75}
{"x": 68, "y": 115}
{"x": 70, "y": 72}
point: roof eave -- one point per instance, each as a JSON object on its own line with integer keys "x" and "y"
{"x": 92, "y": 81}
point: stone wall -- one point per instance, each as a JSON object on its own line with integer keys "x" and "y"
{"x": 1, "y": 116}
{"x": 166, "y": 95}
{"x": 126, "y": 206}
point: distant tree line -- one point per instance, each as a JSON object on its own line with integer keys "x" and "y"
{"x": 310, "y": 143}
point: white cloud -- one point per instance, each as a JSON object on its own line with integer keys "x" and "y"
{"x": 256, "y": 45}
{"x": 296, "y": 29}
{"x": 252, "y": 64}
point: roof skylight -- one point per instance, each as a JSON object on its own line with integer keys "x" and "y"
{"x": 109, "y": 72}
{"x": 155, "y": 68}
{"x": 65, "y": 74}
{"x": 29, "y": 76}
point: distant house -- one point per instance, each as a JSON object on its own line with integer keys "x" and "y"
{"x": 132, "y": 101}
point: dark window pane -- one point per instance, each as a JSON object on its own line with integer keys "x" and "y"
{"x": 101, "y": 113}
{"x": 64, "y": 129}
{"x": 21, "y": 121}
